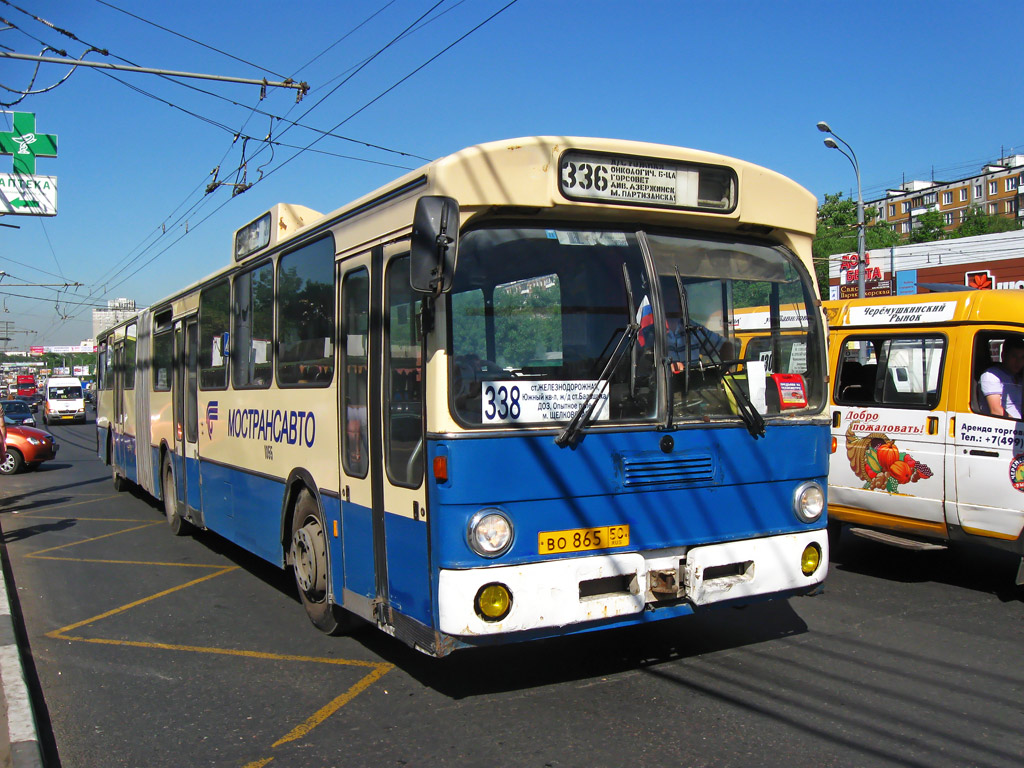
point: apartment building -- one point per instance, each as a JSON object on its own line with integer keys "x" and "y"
{"x": 982, "y": 262}
{"x": 997, "y": 190}
{"x": 117, "y": 311}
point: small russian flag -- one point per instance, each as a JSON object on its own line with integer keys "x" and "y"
{"x": 645, "y": 317}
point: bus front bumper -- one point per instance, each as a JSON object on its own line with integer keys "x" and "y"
{"x": 557, "y": 593}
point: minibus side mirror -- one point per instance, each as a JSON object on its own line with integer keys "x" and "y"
{"x": 435, "y": 243}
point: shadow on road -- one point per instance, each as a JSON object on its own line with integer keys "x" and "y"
{"x": 6, "y": 501}
{"x": 964, "y": 564}
{"x": 520, "y": 666}
{"x": 32, "y": 530}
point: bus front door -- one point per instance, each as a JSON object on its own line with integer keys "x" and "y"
{"x": 386, "y": 558}
{"x": 186, "y": 417}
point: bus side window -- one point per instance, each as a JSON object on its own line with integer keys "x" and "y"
{"x": 355, "y": 343}
{"x": 403, "y": 422}
{"x": 981, "y": 362}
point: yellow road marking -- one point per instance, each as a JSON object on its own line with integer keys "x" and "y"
{"x": 113, "y": 612}
{"x": 324, "y": 712}
{"x": 123, "y": 562}
{"x": 94, "y": 538}
{"x": 375, "y": 665}
{"x": 378, "y": 669}
{"x": 86, "y": 519}
{"x": 69, "y": 504}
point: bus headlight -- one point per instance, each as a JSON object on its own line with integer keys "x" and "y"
{"x": 809, "y": 502}
{"x": 489, "y": 533}
{"x": 810, "y": 559}
{"x": 493, "y": 602}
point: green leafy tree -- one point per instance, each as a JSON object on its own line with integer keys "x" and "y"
{"x": 929, "y": 226}
{"x": 977, "y": 222}
{"x": 837, "y": 233}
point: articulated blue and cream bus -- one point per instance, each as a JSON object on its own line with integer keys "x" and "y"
{"x": 501, "y": 398}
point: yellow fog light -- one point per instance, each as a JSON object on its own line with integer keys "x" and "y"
{"x": 810, "y": 559}
{"x": 493, "y": 602}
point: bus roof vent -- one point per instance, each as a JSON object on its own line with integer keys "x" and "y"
{"x": 279, "y": 223}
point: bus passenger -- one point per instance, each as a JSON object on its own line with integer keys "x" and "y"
{"x": 1001, "y": 384}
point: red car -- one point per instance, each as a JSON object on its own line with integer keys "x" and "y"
{"x": 27, "y": 447}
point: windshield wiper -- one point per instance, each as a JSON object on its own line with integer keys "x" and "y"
{"x": 754, "y": 420}
{"x": 571, "y": 434}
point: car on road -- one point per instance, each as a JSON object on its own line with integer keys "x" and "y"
{"x": 18, "y": 413}
{"x": 64, "y": 401}
{"x": 32, "y": 401}
{"x": 27, "y": 447}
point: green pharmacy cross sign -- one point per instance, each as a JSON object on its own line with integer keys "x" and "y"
{"x": 25, "y": 144}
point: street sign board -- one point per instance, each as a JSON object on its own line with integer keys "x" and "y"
{"x": 872, "y": 288}
{"x": 28, "y": 195}
{"x": 26, "y": 144}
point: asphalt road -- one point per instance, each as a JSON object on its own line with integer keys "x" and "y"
{"x": 151, "y": 650}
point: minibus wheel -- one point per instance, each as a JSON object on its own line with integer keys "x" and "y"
{"x": 310, "y": 566}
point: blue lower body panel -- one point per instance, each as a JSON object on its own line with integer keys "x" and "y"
{"x": 244, "y": 508}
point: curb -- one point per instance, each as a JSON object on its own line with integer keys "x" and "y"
{"x": 21, "y": 724}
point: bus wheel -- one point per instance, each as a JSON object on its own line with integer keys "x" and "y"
{"x": 309, "y": 563}
{"x": 178, "y": 524}
{"x": 120, "y": 483}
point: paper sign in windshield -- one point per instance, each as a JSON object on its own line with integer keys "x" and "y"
{"x": 523, "y": 401}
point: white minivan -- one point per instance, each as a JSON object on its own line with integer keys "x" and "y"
{"x": 64, "y": 400}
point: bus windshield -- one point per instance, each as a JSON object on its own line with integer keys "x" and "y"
{"x": 535, "y": 314}
{"x": 65, "y": 393}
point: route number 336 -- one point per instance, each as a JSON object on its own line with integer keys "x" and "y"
{"x": 585, "y": 176}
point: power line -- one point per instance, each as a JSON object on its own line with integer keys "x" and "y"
{"x": 140, "y": 267}
{"x": 191, "y": 40}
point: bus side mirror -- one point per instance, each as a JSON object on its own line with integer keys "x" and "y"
{"x": 435, "y": 243}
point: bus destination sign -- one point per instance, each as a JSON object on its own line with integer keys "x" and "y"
{"x": 646, "y": 181}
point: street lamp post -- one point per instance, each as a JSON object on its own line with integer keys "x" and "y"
{"x": 852, "y": 157}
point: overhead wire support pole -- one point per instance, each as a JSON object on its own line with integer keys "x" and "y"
{"x": 302, "y": 88}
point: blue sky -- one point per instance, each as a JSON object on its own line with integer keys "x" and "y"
{"x": 912, "y": 86}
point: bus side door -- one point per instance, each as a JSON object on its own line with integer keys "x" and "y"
{"x": 353, "y": 574}
{"x": 117, "y": 424}
{"x": 386, "y": 559}
{"x": 890, "y": 430}
{"x": 404, "y": 442}
{"x": 989, "y": 474}
{"x": 186, "y": 416}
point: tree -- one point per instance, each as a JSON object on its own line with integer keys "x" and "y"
{"x": 930, "y": 226}
{"x": 977, "y": 222}
{"x": 837, "y": 233}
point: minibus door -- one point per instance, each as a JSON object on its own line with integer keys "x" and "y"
{"x": 989, "y": 460}
{"x": 890, "y": 434}
{"x": 186, "y": 415}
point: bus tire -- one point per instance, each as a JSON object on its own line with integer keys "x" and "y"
{"x": 120, "y": 484}
{"x": 179, "y": 525}
{"x": 310, "y": 566}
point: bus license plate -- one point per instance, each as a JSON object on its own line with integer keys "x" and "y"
{"x": 582, "y": 539}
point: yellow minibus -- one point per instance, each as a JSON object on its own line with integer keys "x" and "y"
{"x": 928, "y": 443}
